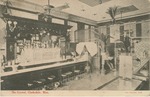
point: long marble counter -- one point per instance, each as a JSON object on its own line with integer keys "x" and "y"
{"x": 56, "y": 65}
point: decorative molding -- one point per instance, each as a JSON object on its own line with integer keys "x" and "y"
{"x": 125, "y": 17}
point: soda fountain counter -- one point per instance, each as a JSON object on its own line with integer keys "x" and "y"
{"x": 35, "y": 50}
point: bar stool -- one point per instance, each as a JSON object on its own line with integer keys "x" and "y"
{"x": 39, "y": 84}
{"x": 76, "y": 74}
{"x": 30, "y": 85}
{"x": 63, "y": 78}
{"x": 50, "y": 83}
{"x": 69, "y": 74}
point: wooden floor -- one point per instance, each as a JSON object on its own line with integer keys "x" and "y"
{"x": 88, "y": 81}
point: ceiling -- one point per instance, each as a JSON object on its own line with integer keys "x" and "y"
{"x": 97, "y": 11}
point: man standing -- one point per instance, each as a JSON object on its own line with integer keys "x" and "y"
{"x": 127, "y": 43}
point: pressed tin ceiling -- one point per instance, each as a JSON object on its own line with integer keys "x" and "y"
{"x": 96, "y": 9}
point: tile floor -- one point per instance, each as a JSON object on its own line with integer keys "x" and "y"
{"x": 89, "y": 81}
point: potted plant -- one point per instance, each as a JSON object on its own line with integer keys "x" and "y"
{"x": 112, "y": 11}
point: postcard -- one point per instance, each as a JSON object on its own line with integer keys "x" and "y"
{"x": 75, "y": 47}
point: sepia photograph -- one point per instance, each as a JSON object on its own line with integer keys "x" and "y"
{"x": 75, "y": 47}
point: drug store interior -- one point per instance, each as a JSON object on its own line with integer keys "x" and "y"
{"x": 75, "y": 44}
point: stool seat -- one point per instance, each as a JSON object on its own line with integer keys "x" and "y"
{"x": 30, "y": 84}
{"x": 50, "y": 82}
{"x": 63, "y": 75}
{"x": 39, "y": 84}
{"x": 40, "y": 81}
{"x": 50, "y": 78}
{"x": 76, "y": 74}
{"x": 76, "y": 71}
{"x": 68, "y": 73}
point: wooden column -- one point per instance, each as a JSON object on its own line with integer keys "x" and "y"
{"x": 81, "y": 35}
{"x": 138, "y": 30}
{"x": 122, "y": 33}
{"x": 66, "y": 44}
